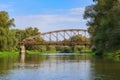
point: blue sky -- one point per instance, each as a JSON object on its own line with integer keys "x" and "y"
{"x": 47, "y": 15}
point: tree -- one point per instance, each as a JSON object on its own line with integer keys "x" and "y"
{"x": 8, "y": 40}
{"x": 79, "y": 38}
{"x": 51, "y": 48}
{"x": 104, "y": 25}
{"x": 5, "y": 21}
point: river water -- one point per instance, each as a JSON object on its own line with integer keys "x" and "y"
{"x": 59, "y": 67}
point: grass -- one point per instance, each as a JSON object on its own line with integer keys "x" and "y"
{"x": 49, "y": 52}
{"x": 4, "y": 54}
{"x": 37, "y": 52}
{"x": 32, "y": 52}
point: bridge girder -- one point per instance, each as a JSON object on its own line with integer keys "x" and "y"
{"x": 57, "y": 37}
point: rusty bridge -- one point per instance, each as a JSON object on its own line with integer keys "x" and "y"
{"x": 58, "y": 37}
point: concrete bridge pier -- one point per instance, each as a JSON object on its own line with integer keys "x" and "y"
{"x": 22, "y": 53}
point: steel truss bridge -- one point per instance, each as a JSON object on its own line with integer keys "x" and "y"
{"x": 58, "y": 37}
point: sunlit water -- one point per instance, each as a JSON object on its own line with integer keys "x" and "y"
{"x": 59, "y": 67}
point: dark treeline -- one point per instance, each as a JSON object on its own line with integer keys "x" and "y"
{"x": 104, "y": 25}
{"x": 10, "y": 38}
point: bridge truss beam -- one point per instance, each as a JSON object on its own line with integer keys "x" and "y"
{"x": 58, "y": 37}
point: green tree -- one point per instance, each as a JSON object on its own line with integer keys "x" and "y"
{"x": 8, "y": 40}
{"x": 79, "y": 38}
{"x": 51, "y": 49}
{"x": 5, "y": 21}
{"x": 104, "y": 25}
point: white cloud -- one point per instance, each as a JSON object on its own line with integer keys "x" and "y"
{"x": 77, "y": 11}
{"x": 52, "y": 22}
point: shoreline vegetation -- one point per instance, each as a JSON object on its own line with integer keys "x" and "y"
{"x": 114, "y": 56}
{"x": 111, "y": 56}
{"x": 5, "y": 53}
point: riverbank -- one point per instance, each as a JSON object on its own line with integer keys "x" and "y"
{"x": 37, "y": 52}
{"x": 4, "y": 54}
{"x": 49, "y": 52}
{"x": 114, "y": 55}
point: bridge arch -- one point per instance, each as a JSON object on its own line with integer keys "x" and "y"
{"x": 60, "y": 35}
{"x": 57, "y": 37}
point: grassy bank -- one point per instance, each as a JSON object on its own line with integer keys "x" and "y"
{"x": 49, "y": 52}
{"x": 114, "y": 55}
{"x": 4, "y": 54}
{"x": 37, "y": 52}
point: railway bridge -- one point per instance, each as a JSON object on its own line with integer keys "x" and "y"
{"x": 57, "y": 37}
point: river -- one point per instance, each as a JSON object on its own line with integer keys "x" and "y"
{"x": 59, "y": 67}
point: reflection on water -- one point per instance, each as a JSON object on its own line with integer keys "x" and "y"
{"x": 58, "y": 67}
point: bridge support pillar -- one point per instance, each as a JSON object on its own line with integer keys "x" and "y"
{"x": 22, "y": 51}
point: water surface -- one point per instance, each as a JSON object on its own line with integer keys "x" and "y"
{"x": 58, "y": 67}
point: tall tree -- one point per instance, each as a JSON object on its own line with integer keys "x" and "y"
{"x": 5, "y": 21}
{"x": 8, "y": 41}
{"x": 104, "y": 25}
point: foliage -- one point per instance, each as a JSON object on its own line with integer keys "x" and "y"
{"x": 116, "y": 53}
{"x": 78, "y": 38}
{"x": 31, "y": 31}
{"x": 104, "y": 25}
{"x": 8, "y": 40}
{"x": 51, "y": 49}
{"x": 22, "y": 34}
{"x": 63, "y": 49}
{"x": 5, "y": 21}
{"x": 78, "y": 49}
{"x": 66, "y": 49}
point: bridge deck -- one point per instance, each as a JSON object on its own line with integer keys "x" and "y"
{"x": 56, "y": 43}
